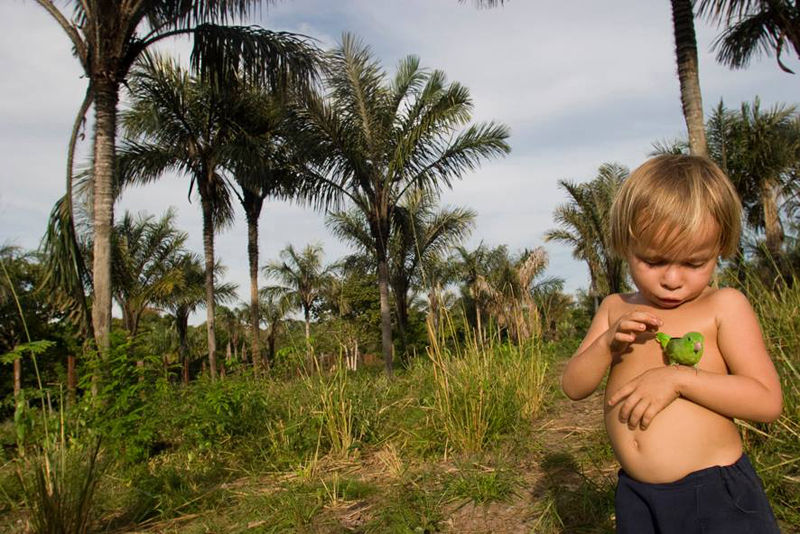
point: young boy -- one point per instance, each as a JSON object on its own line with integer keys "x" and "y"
{"x": 671, "y": 426}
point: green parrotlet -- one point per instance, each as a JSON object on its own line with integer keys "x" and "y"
{"x": 684, "y": 350}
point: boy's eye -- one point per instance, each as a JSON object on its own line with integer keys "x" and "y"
{"x": 654, "y": 262}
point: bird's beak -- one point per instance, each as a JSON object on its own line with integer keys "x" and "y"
{"x": 698, "y": 347}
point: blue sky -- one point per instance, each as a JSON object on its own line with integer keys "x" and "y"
{"x": 579, "y": 83}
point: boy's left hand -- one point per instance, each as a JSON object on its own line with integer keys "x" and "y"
{"x": 645, "y": 396}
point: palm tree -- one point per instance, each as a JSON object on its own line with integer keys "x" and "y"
{"x": 176, "y": 122}
{"x": 472, "y": 265}
{"x": 507, "y": 292}
{"x": 686, "y": 56}
{"x": 420, "y": 233}
{"x": 107, "y": 38}
{"x": 688, "y": 74}
{"x": 752, "y": 26}
{"x": 439, "y": 271}
{"x": 583, "y": 225}
{"x": 302, "y": 278}
{"x": 144, "y": 267}
{"x": 190, "y": 295}
{"x": 376, "y": 140}
{"x": 261, "y": 167}
{"x": 760, "y": 149}
{"x": 553, "y": 305}
{"x": 274, "y": 304}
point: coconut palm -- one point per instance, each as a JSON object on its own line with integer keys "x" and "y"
{"x": 376, "y": 140}
{"x": 302, "y": 277}
{"x": 753, "y": 26}
{"x": 420, "y": 233}
{"x": 107, "y": 38}
{"x": 583, "y": 225}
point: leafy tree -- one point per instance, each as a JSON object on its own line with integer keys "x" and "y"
{"x": 24, "y": 314}
{"x": 376, "y": 140}
{"x": 753, "y": 26}
{"x": 583, "y": 225}
{"x": 420, "y": 233}
{"x": 107, "y": 38}
{"x": 302, "y": 277}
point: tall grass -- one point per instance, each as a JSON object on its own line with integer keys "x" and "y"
{"x": 484, "y": 390}
{"x": 59, "y": 484}
{"x": 776, "y": 447}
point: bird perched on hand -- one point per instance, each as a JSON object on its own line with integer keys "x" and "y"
{"x": 684, "y": 350}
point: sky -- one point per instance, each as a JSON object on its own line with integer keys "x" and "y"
{"x": 579, "y": 83}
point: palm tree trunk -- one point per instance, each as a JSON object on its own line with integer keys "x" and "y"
{"x": 688, "y": 74}
{"x": 182, "y": 326}
{"x": 252, "y": 257}
{"x": 17, "y": 377}
{"x": 772, "y": 222}
{"x": 307, "y": 318}
{"x": 386, "y": 314}
{"x": 106, "y": 98}
{"x": 478, "y": 325}
{"x": 208, "y": 249}
{"x": 72, "y": 381}
{"x": 401, "y": 303}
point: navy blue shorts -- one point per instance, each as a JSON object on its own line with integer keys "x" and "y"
{"x": 724, "y": 500}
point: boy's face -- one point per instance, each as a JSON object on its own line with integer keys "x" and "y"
{"x": 668, "y": 280}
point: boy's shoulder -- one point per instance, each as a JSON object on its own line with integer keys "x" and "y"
{"x": 725, "y": 297}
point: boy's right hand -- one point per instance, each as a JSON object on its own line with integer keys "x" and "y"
{"x": 626, "y": 329}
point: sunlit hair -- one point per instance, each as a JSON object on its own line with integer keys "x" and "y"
{"x": 668, "y": 201}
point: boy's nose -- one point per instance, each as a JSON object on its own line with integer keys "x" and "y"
{"x": 670, "y": 278}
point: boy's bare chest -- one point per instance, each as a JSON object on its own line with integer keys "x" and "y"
{"x": 646, "y": 353}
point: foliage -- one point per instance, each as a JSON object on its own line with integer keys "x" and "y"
{"x": 583, "y": 225}
{"x": 59, "y": 486}
{"x": 774, "y": 447}
{"x": 373, "y": 140}
{"x": 484, "y": 391}
{"x": 752, "y": 27}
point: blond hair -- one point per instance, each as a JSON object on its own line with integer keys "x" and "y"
{"x": 668, "y": 200}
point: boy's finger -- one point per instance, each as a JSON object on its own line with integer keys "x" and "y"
{"x": 620, "y": 394}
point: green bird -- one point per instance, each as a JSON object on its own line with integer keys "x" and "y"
{"x": 684, "y": 350}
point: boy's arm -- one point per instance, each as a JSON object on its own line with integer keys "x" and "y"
{"x": 587, "y": 367}
{"x": 750, "y": 391}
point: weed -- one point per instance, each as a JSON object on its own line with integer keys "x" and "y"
{"x": 481, "y": 484}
